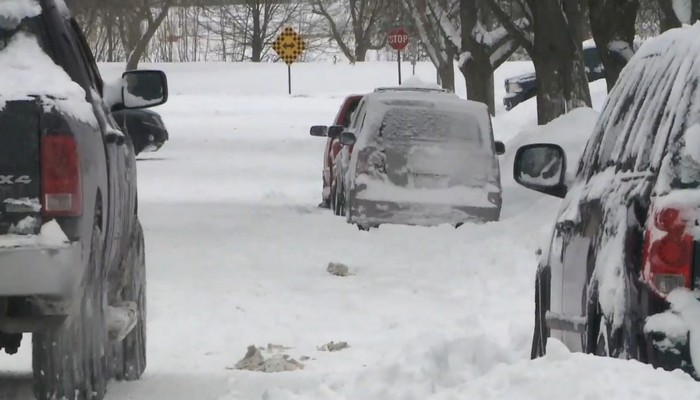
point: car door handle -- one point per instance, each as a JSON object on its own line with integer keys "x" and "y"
{"x": 115, "y": 137}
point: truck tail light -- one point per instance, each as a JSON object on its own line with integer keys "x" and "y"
{"x": 61, "y": 186}
{"x": 668, "y": 252}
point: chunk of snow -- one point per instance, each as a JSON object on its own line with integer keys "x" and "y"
{"x": 51, "y": 236}
{"x": 671, "y": 325}
{"x": 686, "y": 304}
{"x": 12, "y": 12}
{"x": 27, "y": 71}
{"x": 557, "y": 351}
{"x": 622, "y": 48}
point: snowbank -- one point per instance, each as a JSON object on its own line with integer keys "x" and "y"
{"x": 570, "y": 131}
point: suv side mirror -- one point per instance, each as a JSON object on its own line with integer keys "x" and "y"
{"x": 335, "y": 131}
{"x": 319, "y": 131}
{"x": 541, "y": 167}
{"x": 500, "y": 148}
{"x": 347, "y": 138}
{"x": 144, "y": 88}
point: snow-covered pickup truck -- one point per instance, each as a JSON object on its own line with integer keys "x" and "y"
{"x": 621, "y": 274}
{"x": 72, "y": 268}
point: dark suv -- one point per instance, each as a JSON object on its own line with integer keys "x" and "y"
{"x": 72, "y": 268}
{"x": 625, "y": 246}
{"x": 523, "y": 87}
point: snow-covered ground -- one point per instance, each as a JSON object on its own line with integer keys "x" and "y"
{"x": 237, "y": 253}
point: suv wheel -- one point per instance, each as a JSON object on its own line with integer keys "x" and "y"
{"x": 68, "y": 361}
{"x": 129, "y": 356}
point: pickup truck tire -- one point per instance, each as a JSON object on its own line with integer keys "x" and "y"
{"x": 69, "y": 361}
{"x": 129, "y": 355}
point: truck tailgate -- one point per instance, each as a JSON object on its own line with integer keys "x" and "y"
{"x": 20, "y": 180}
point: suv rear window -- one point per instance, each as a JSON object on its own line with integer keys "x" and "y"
{"x": 430, "y": 124}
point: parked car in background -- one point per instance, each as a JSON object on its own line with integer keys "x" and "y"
{"x": 330, "y": 153}
{"x": 524, "y": 87}
{"x": 421, "y": 157}
{"x": 72, "y": 261}
{"x": 145, "y": 127}
{"x": 624, "y": 254}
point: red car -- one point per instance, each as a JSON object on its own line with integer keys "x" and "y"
{"x": 342, "y": 121}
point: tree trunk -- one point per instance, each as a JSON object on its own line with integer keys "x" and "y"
{"x": 360, "y": 52}
{"x": 446, "y": 73}
{"x": 142, "y": 44}
{"x": 478, "y": 73}
{"x": 669, "y": 19}
{"x": 612, "y": 24}
{"x": 561, "y": 76}
{"x": 476, "y": 67}
{"x": 696, "y": 11}
{"x": 256, "y": 38}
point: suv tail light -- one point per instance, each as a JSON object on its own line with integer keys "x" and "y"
{"x": 668, "y": 252}
{"x": 371, "y": 162}
{"x": 61, "y": 186}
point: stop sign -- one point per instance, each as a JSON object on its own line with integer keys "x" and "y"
{"x": 398, "y": 38}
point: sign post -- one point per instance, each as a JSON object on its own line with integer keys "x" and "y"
{"x": 289, "y": 45}
{"x": 398, "y": 40}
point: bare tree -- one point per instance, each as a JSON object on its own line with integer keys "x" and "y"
{"x": 613, "y": 27}
{"x": 139, "y": 24}
{"x": 354, "y": 23}
{"x": 259, "y": 21}
{"x": 441, "y": 51}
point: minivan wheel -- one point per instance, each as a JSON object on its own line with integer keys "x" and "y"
{"x": 129, "y": 355}
{"x": 339, "y": 203}
{"x": 69, "y": 361}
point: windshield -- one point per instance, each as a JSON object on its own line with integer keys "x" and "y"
{"x": 431, "y": 124}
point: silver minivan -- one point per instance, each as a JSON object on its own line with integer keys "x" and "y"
{"x": 420, "y": 157}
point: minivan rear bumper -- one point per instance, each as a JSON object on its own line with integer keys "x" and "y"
{"x": 373, "y": 213}
{"x": 53, "y": 273}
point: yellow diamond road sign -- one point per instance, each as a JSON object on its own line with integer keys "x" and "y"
{"x": 289, "y": 45}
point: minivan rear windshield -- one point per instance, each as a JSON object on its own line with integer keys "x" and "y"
{"x": 431, "y": 124}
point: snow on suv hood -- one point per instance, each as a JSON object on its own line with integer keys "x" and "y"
{"x": 27, "y": 72}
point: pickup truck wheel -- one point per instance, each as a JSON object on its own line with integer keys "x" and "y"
{"x": 69, "y": 362}
{"x": 129, "y": 357}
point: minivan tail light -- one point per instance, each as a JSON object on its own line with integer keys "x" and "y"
{"x": 668, "y": 252}
{"x": 61, "y": 186}
{"x": 371, "y": 162}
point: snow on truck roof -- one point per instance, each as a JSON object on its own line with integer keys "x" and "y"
{"x": 12, "y": 12}
{"x": 679, "y": 42}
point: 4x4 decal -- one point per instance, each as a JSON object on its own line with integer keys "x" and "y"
{"x": 11, "y": 180}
